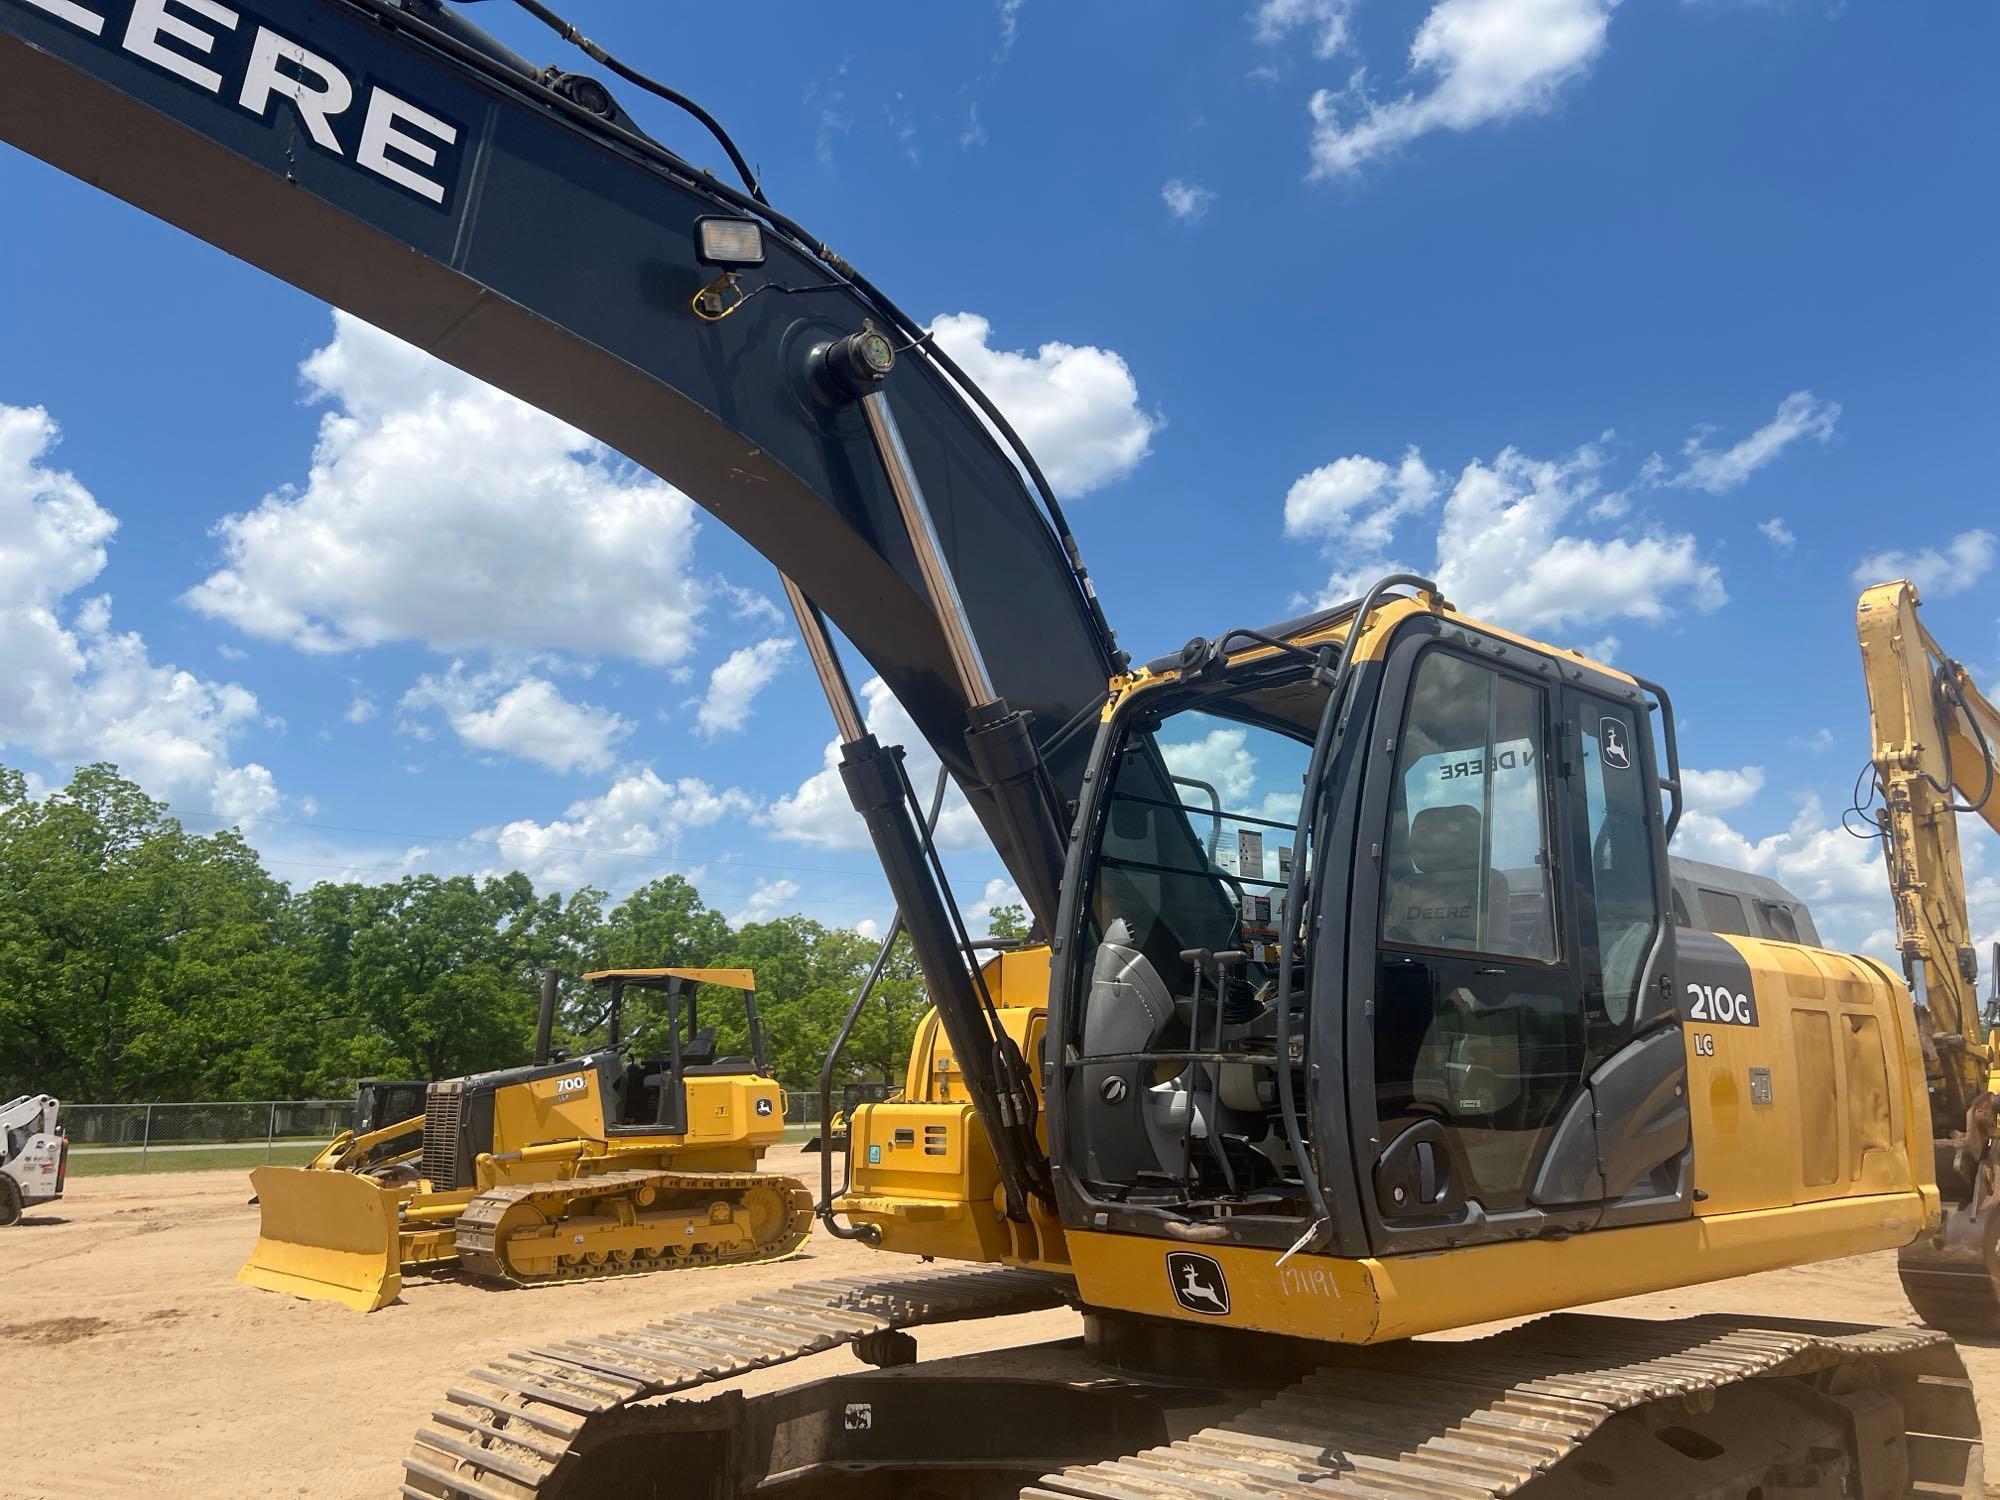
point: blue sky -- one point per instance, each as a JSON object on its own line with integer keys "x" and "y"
{"x": 1649, "y": 326}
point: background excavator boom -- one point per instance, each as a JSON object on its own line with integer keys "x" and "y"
{"x": 1934, "y": 735}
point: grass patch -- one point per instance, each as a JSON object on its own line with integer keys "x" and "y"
{"x": 87, "y": 1163}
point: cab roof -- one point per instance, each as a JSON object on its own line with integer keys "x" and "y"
{"x": 656, "y": 979}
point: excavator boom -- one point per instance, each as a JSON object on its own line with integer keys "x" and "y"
{"x": 388, "y": 157}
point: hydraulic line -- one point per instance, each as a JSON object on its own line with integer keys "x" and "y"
{"x": 633, "y": 76}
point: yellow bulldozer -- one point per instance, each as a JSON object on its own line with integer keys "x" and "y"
{"x": 568, "y": 1168}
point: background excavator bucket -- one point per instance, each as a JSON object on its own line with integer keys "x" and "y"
{"x": 325, "y": 1236}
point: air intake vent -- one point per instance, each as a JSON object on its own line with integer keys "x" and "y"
{"x": 443, "y": 1103}
{"x": 937, "y": 1140}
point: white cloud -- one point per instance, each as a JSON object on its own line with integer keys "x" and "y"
{"x": 1218, "y": 758}
{"x": 1345, "y": 500}
{"x": 1187, "y": 201}
{"x": 1481, "y": 61}
{"x": 1778, "y": 533}
{"x": 1076, "y": 407}
{"x": 1010, "y": 26}
{"x": 1800, "y": 415}
{"x": 528, "y": 718}
{"x": 1966, "y": 559}
{"x": 1502, "y": 552}
{"x": 439, "y": 510}
{"x": 1719, "y": 791}
{"x": 734, "y": 686}
{"x": 868, "y": 928}
{"x": 617, "y": 839}
{"x": 1328, "y": 21}
{"x": 362, "y": 706}
{"x": 75, "y": 689}
{"x": 820, "y": 813}
{"x": 1839, "y": 876}
{"x": 974, "y": 133}
{"x": 769, "y": 900}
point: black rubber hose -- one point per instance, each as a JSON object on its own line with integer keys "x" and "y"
{"x": 653, "y": 86}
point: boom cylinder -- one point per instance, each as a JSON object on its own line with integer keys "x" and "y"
{"x": 996, "y": 735}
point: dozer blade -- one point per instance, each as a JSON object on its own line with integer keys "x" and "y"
{"x": 325, "y": 1236}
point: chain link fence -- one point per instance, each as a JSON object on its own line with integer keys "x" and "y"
{"x": 149, "y": 1137}
{"x": 171, "y": 1137}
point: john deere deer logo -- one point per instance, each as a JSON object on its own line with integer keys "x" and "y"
{"x": 1198, "y": 1284}
{"x": 1611, "y": 735}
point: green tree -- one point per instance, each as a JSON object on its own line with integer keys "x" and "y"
{"x": 1007, "y": 922}
{"x": 136, "y": 960}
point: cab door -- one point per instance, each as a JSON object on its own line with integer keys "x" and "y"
{"x": 1515, "y": 921}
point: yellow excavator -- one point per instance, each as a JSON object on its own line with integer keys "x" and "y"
{"x": 568, "y": 1168}
{"x": 1389, "y": 1032}
{"x": 1481, "y": 1074}
{"x": 1934, "y": 737}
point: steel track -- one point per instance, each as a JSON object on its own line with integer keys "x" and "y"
{"x": 1469, "y": 1420}
{"x": 483, "y": 1254}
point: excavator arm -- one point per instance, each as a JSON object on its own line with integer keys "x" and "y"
{"x": 1934, "y": 735}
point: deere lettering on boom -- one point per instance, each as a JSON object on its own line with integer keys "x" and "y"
{"x": 1413, "y": 1046}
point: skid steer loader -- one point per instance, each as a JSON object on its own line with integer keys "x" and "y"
{"x": 568, "y": 1168}
{"x": 34, "y": 1156}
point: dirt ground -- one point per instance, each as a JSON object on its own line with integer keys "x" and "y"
{"x": 133, "y": 1363}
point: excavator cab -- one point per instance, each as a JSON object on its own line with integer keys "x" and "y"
{"x": 1462, "y": 1036}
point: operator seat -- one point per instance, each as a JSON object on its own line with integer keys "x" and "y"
{"x": 1133, "y": 1125}
{"x": 1436, "y": 902}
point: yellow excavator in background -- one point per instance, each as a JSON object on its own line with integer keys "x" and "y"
{"x": 565, "y": 1169}
{"x": 1934, "y": 737}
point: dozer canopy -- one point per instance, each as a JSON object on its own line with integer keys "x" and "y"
{"x": 657, "y": 979}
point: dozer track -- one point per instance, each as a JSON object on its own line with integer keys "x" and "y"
{"x": 1827, "y": 1409}
{"x": 655, "y": 1221}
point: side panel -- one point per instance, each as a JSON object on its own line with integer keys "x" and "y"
{"x": 563, "y": 1105}
{"x": 735, "y": 1109}
{"x": 1806, "y": 1080}
{"x": 1375, "y": 1300}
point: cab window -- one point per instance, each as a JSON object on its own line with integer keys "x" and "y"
{"x": 1620, "y": 869}
{"x": 1468, "y": 861}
